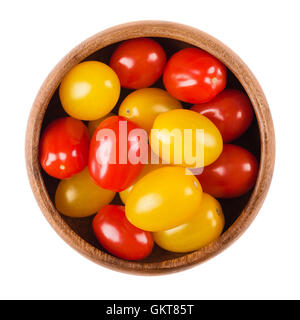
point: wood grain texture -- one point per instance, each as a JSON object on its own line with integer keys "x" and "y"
{"x": 259, "y": 139}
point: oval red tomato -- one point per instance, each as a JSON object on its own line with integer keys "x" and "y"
{"x": 231, "y": 111}
{"x": 138, "y": 62}
{"x": 64, "y": 148}
{"x": 119, "y": 237}
{"x": 193, "y": 75}
{"x": 231, "y": 175}
{"x": 113, "y": 145}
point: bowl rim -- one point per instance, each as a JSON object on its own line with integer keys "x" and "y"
{"x": 196, "y": 38}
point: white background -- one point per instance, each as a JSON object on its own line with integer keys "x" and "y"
{"x": 36, "y": 264}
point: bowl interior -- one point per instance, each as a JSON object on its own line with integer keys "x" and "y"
{"x": 232, "y": 208}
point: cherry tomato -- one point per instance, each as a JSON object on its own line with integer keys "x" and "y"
{"x": 176, "y": 138}
{"x": 104, "y": 160}
{"x": 119, "y": 237}
{"x": 147, "y": 168}
{"x": 64, "y": 148}
{"x": 231, "y": 111}
{"x": 79, "y": 196}
{"x": 204, "y": 227}
{"x": 93, "y": 124}
{"x": 89, "y": 91}
{"x": 138, "y": 62}
{"x": 233, "y": 174}
{"x": 163, "y": 199}
{"x": 193, "y": 75}
{"x": 142, "y": 106}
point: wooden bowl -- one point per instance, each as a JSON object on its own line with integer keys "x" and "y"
{"x": 259, "y": 139}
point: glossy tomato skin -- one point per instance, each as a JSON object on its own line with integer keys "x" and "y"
{"x": 193, "y": 75}
{"x": 163, "y": 199}
{"x": 202, "y": 151}
{"x": 105, "y": 166}
{"x": 93, "y": 124}
{"x": 231, "y": 111}
{"x": 118, "y": 236}
{"x": 147, "y": 169}
{"x": 204, "y": 227}
{"x": 64, "y": 148}
{"x": 231, "y": 175}
{"x": 89, "y": 91}
{"x": 144, "y": 105}
{"x": 138, "y": 62}
{"x": 79, "y": 196}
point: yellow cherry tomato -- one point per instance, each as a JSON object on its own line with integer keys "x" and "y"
{"x": 163, "y": 199}
{"x": 147, "y": 168}
{"x": 175, "y": 138}
{"x": 204, "y": 227}
{"x": 90, "y": 90}
{"x": 92, "y": 125}
{"x": 142, "y": 106}
{"x": 79, "y": 196}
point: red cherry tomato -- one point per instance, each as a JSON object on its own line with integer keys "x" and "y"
{"x": 138, "y": 62}
{"x": 64, "y": 148}
{"x": 118, "y": 236}
{"x": 231, "y": 111}
{"x": 195, "y": 76}
{"x": 107, "y": 167}
{"x": 231, "y": 175}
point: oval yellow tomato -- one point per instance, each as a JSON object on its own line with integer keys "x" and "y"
{"x": 93, "y": 124}
{"x": 200, "y": 230}
{"x": 186, "y": 138}
{"x": 89, "y": 91}
{"x": 79, "y": 196}
{"x": 163, "y": 199}
{"x": 143, "y": 105}
{"x": 147, "y": 168}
